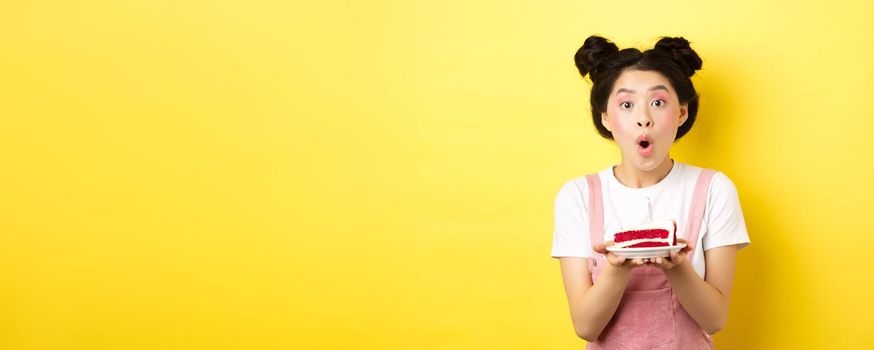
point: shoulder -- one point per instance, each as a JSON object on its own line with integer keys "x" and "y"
{"x": 572, "y": 191}
{"x": 719, "y": 183}
{"x": 721, "y": 186}
{"x": 722, "y": 183}
{"x": 575, "y": 192}
{"x": 721, "y": 190}
{"x": 580, "y": 184}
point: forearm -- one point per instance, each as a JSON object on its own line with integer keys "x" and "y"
{"x": 593, "y": 309}
{"x": 706, "y": 304}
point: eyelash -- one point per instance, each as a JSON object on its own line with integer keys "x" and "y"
{"x": 663, "y": 102}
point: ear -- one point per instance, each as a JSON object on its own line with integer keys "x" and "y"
{"x": 684, "y": 113}
{"x": 605, "y": 122}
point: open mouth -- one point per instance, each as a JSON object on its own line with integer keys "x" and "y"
{"x": 644, "y": 145}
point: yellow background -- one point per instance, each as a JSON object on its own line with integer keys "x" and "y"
{"x": 381, "y": 174}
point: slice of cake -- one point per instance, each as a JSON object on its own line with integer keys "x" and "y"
{"x": 653, "y": 234}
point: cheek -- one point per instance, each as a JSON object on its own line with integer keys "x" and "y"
{"x": 616, "y": 126}
{"x": 668, "y": 117}
{"x": 615, "y": 121}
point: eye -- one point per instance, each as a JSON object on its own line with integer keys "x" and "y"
{"x": 625, "y": 105}
{"x": 658, "y": 103}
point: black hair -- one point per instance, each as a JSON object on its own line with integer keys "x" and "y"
{"x": 604, "y": 62}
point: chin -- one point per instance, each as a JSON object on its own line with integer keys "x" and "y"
{"x": 646, "y": 167}
{"x": 649, "y": 164}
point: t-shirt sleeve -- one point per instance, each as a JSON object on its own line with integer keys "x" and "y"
{"x": 725, "y": 220}
{"x": 571, "y": 235}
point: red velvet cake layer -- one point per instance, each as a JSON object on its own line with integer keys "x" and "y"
{"x": 640, "y": 234}
{"x": 648, "y": 244}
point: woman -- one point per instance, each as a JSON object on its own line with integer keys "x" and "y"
{"x": 644, "y": 102}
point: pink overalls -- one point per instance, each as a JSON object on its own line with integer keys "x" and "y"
{"x": 649, "y": 315}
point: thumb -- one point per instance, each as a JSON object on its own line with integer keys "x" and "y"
{"x": 688, "y": 246}
{"x": 601, "y": 248}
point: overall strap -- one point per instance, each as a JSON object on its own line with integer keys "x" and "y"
{"x": 696, "y": 209}
{"x": 596, "y": 210}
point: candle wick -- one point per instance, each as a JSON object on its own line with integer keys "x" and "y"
{"x": 649, "y": 205}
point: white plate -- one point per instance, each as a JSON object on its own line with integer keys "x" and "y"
{"x": 646, "y": 252}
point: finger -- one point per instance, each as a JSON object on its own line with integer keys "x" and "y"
{"x": 677, "y": 258}
{"x": 684, "y": 253}
{"x": 664, "y": 263}
{"x": 615, "y": 259}
{"x": 600, "y": 248}
{"x": 688, "y": 245}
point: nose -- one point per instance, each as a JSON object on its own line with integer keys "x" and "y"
{"x": 643, "y": 119}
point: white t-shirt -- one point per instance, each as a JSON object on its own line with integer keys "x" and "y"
{"x": 624, "y": 206}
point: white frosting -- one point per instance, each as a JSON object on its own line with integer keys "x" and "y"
{"x": 667, "y": 225}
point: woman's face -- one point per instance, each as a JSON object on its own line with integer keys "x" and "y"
{"x": 643, "y": 114}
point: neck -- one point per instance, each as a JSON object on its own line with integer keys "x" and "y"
{"x": 629, "y": 176}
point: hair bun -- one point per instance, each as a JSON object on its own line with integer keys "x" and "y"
{"x": 594, "y": 50}
{"x": 682, "y": 53}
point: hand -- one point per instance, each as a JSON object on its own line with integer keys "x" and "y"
{"x": 676, "y": 259}
{"x": 615, "y": 260}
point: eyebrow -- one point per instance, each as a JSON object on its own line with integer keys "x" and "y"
{"x": 657, "y": 87}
